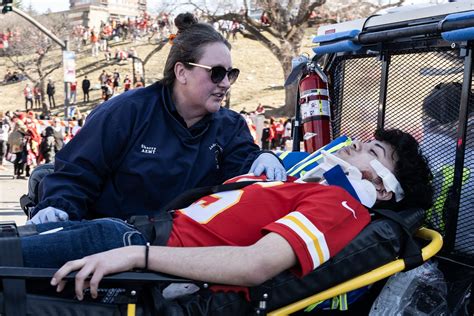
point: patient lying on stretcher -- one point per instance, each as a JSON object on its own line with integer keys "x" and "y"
{"x": 244, "y": 237}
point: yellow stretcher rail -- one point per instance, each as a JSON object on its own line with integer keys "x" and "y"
{"x": 131, "y": 309}
{"x": 436, "y": 242}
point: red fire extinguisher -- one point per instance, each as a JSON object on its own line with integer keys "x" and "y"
{"x": 315, "y": 109}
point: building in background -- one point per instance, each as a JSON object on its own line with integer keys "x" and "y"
{"x": 91, "y": 12}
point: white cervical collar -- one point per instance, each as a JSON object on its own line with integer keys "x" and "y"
{"x": 328, "y": 162}
{"x": 365, "y": 189}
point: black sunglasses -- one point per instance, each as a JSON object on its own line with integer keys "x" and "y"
{"x": 218, "y": 73}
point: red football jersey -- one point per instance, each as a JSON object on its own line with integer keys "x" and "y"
{"x": 316, "y": 220}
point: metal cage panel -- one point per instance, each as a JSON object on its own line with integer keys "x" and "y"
{"x": 356, "y": 84}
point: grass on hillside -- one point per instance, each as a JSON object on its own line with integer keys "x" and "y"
{"x": 261, "y": 78}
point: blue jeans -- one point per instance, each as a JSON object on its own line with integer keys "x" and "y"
{"x": 76, "y": 240}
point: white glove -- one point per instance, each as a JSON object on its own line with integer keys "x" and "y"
{"x": 48, "y": 215}
{"x": 269, "y": 164}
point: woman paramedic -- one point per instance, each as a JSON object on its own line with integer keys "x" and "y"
{"x": 141, "y": 149}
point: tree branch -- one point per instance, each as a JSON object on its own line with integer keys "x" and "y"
{"x": 397, "y": 4}
{"x": 154, "y": 51}
{"x": 53, "y": 68}
{"x": 304, "y": 11}
{"x": 265, "y": 41}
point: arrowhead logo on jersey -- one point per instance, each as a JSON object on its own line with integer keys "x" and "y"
{"x": 344, "y": 204}
{"x": 309, "y": 135}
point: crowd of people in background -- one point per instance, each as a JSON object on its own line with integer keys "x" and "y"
{"x": 114, "y": 31}
{"x": 228, "y": 28}
{"x": 111, "y": 83}
{"x": 26, "y": 141}
{"x": 13, "y": 76}
{"x": 276, "y": 133}
{"x": 273, "y": 133}
{"x": 98, "y": 39}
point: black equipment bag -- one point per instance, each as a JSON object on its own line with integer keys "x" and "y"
{"x": 28, "y": 201}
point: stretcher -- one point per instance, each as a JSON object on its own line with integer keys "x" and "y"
{"x": 380, "y": 75}
{"x": 126, "y": 292}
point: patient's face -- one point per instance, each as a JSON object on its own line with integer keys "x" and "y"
{"x": 360, "y": 154}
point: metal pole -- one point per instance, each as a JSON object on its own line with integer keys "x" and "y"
{"x": 67, "y": 87}
{"x": 385, "y": 58}
{"x": 451, "y": 207}
{"x": 134, "y": 80}
{"x": 40, "y": 27}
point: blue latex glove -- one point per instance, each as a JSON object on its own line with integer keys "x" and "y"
{"x": 269, "y": 164}
{"x": 48, "y": 215}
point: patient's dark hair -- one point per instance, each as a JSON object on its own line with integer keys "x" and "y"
{"x": 411, "y": 169}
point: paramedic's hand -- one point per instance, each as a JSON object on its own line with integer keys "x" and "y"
{"x": 48, "y": 215}
{"x": 96, "y": 267}
{"x": 269, "y": 164}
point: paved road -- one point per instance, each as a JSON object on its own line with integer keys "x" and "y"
{"x": 10, "y": 192}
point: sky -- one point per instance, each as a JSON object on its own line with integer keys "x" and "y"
{"x": 43, "y": 5}
{"x": 61, "y": 5}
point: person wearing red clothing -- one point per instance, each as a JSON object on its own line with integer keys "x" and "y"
{"x": 309, "y": 216}
{"x": 278, "y": 128}
{"x": 244, "y": 237}
{"x": 28, "y": 93}
{"x": 73, "y": 96}
{"x": 94, "y": 39}
{"x": 37, "y": 96}
{"x": 264, "y": 19}
{"x": 260, "y": 109}
{"x": 127, "y": 83}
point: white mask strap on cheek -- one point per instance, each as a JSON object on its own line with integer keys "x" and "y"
{"x": 390, "y": 183}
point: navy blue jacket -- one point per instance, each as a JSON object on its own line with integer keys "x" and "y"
{"x": 132, "y": 156}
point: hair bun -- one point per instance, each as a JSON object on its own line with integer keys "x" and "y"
{"x": 184, "y": 21}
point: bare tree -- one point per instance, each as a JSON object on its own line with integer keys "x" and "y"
{"x": 30, "y": 51}
{"x": 284, "y": 33}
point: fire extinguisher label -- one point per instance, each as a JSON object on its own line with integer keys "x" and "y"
{"x": 315, "y": 108}
{"x": 315, "y": 92}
